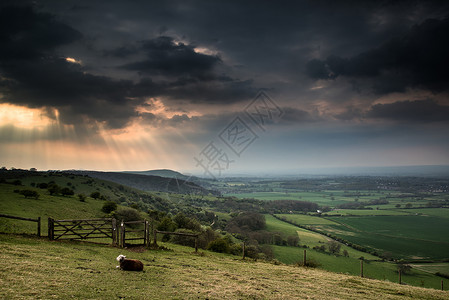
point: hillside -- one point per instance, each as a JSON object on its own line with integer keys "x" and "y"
{"x": 149, "y": 182}
{"x": 37, "y": 268}
{"x": 162, "y": 173}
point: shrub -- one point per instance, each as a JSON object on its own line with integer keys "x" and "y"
{"x": 42, "y": 185}
{"x": 29, "y": 194}
{"x": 53, "y": 189}
{"x": 95, "y": 195}
{"x": 219, "y": 245}
{"x": 108, "y": 207}
{"x": 334, "y": 247}
{"x": 235, "y": 249}
{"x": 67, "y": 191}
{"x": 127, "y": 214}
{"x": 293, "y": 240}
{"x": 82, "y": 197}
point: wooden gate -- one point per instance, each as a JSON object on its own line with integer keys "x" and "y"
{"x": 82, "y": 229}
{"x": 145, "y": 231}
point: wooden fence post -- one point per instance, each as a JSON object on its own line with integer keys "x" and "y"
{"x": 114, "y": 232}
{"x": 50, "y": 229}
{"x": 196, "y": 244}
{"x": 304, "y": 261}
{"x": 400, "y": 277}
{"x": 39, "y": 226}
{"x": 361, "y": 268}
{"x": 147, "y": 233}
{"x": 155, "y": 237}
{"x": 122, "y": 235}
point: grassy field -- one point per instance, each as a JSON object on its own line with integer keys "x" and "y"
{"x": 348, "y": 265}
{"x": 370, "y": 212}
{"x": 32, "y": 268}
{"x": 340, "y": 264}
{"x": 411, "y": 237}
{"x": 59, "y": 207}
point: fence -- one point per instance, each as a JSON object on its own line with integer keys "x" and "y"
{"x": 82, "y": 229}
{"x": 37, "y": 220}
{"x": 177, "y": 233}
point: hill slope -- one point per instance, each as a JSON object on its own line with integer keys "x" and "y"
{"x": 162, "y": 173}
{"x": 149, "y": 182}
{"x": 37, "y": 268}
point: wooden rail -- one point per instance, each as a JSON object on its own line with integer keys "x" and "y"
{"x": 195, "y": 235}
{"x": 38, "y": 220}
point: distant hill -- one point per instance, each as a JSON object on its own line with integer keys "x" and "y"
{"x": 162, "y": 173}
{"x": 149, "y": 182}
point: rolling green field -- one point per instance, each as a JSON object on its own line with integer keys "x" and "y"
{"x": 410, "y": 237}
{"x": 59, "y": 207}
{"x": 32, "y": 268}
{"x": 408, "y": 234}
{"x": 340, "y": 264}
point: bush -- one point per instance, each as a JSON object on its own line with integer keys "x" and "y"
{"x": 67, "y": 191}
{"x": 82, "y": 197}
{"x": 334, "y": 247}
{"x": 29, "y": 194}
{"x": 42, "y": 185}
{"x": 108, "y": 207}
{"x": 127, "y": 214}
{"x": 53, "y": 189}
{"x": 219, "y": 245}
{"x": 95, "y": 195}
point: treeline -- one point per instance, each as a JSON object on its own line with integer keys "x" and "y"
{"x": 233, "y": 204}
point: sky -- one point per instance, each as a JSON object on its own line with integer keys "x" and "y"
{"x": 223, "y": 87}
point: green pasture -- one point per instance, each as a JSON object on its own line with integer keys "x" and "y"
{"x": 433, "y": 267}
{"x": 410, "y": 237}
{"x": 58, "y": 207}
{"x": 348, "y": 265}
{"x": 309, "y": 238}
{"x": 368, "y": 212}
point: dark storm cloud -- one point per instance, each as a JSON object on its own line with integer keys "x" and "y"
{"x": 25, "y": 34}
{"x": 410, "y": 111}
{"x": 417, "y": 59}
{"x": 166, "y": 57}
{"x": 34, "y": 74}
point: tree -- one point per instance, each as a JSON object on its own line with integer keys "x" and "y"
{"x": 95, "y": 195}
{"x": 293, "y": 240}
{"x": 404, "y": 268}
{"x": 54, "y": 189}
{"x": 398, "y": 205}
{"x": 108, "y": 207}
{"x": 67, "y": 191}
{"x": 82, "y": 197}
{"x": 334, "y": 247}
{"x": 345, "y": 253}
{"x": 30, "y": 194}
{"x": 408, "y": 205}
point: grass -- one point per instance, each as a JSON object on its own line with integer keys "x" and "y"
{"x": 411, "y": 237}
{"x": 348, "y": 265}
{"x": 370, "y": 212}
{"x": 58, "y": 207}
{"x": 340, "y": 264}
{"x": 32, "y": 268}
